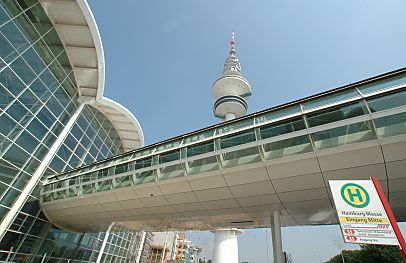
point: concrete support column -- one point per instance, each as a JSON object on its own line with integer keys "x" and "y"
{"x": 225, "y": 247}
{"x": 277, "y": 238}
{"x": 230, "y": 116}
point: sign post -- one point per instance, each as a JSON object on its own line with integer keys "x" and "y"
{"x": 364, "y": 213}
{"x": 392, "y": 218}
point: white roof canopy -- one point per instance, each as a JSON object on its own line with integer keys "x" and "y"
{"x": 78, "y": 32}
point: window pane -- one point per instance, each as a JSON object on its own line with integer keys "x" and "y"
{"x": 16, "y": 156}
{"x": 202, "y": 165}
{"x": 5, "y": 97}
{"x": 330, "y": 98}
{"x": 352, "y": 133}
{"x": 235, "y": 126}
{"x": 336, "y": 114}
{"x": 11, "y": 82}
{"x": 238, "y": 139}
{"x": 391, "y": 125}
{"x": 7, "y": 51}
{"x": 16, "y": 38}
{"x": 387, "y": 101}
{"x": 288, "y": 147}
{"x": 280, "y": 128}
{"x": 32, "y": 58}
{"x": 169, "y": 156}
{"x": 244, "y": 156}
{"x": 200, "y": 149}
{"x": 382, "y": 84}
{"x": 277, "y": 114}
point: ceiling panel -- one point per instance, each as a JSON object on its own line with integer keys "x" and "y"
{"x": 357, "y": 173}
{"x": 259, "y": 188}
{"x": 302, "y": 182}
{"x": 214, "y": 194}
{"x": 300, "y": 167}
{"x": 176, "y": 187}
{"x": 247, "y": 176}
{"x": 181, "y": 198}
{"x": 218, "y": 204}
{"x": 353, "y": 158}
{"x": 207, "y": 182}
{"x": 303, "y": 195}
{"x": 394, "y": 151}
{"x": 258, "y": 200}
{"x": 396, "y": 169}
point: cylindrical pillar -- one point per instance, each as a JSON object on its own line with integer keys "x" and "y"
{"x": 225, "y": 247}
{"x": 277, "y": 238}
{"x": 230, "y": 116}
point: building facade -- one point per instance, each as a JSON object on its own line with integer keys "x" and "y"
{"x": 54, "y": 118}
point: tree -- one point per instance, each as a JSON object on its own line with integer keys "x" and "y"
{"x": 370, "y": 254}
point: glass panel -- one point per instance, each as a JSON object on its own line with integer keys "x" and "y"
{"x": 22, "y": 69}
{"x": 235, "y": 126}
{"x": 7, "y": 172}
{"x": 5, "y": 97}
{"x": 11, "y": 82}
{"x": 70, "y": 192}
{"x": 39, "y": 18}
{"x": 172, "y": 171}
{"x": 147, "y": 162}
{"x": 199, "y": 136}
{"x": 244, "y": 156}
{"x": 336, "y": 114}
{"x": 277, "y": 114}
{"x": 145, "y": 177}
{"x": 29, "y": 100}
{"x": 17, "y": 111}
{"x": 35, "y": 62}
{"x": 284, "y": 127}
{"x": 16, "y": 38}
{"x": 352, "y": 133}
{"x": 202, "y": 165}
{"x": 391, "y": 125}
{"x": 58, "y": 195}
{"x": 169, "y": 145}
{"x": 288, "y": 147}
{"x": 87, "y": 189}
{"x": 237, "y": 139}
{"x": 142, "y": 153}
{"x": 37, "y": 129}
{"x": 7, "y": 52}
{"x": 169, "y": 156}
{"x": 16, "y": 156}
{"x": 27, "y": 142}
{"x": 387, "y": 101}
{"x": 123, "y": 181}
{"x": 103, "y": 186}
{"x": 200, "y": 148}
{"x": 330, "y": 98}
{"x": 382, "y": 84}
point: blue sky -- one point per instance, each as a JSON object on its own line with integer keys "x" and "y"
{"x": 163, "y": 56}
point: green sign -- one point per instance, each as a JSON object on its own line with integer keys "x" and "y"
{"x": 355, "y": 195}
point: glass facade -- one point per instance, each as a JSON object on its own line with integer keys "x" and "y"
{"x": 38, "y": 96}
{"x": 334, "y": 119}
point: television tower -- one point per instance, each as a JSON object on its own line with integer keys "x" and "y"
{"x": 231, "y": 90}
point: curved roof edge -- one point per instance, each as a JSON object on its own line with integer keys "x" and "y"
{"x": 75, "y": 24}
{"x": 124, "y": 121}
{"x": 94, "y": 30}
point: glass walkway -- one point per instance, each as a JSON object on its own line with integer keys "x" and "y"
{"x": 370, "y": 112}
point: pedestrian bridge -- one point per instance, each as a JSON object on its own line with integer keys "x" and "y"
{"x": 235, "y": 174}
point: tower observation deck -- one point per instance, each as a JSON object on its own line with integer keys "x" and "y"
{"x": 239, "y": 172}
{"x": 231, "y": 90}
